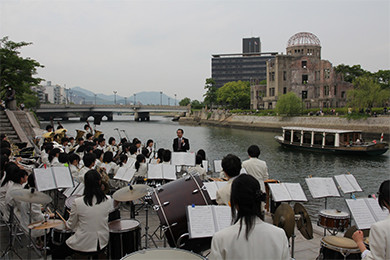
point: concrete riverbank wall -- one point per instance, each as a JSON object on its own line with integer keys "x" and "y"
{"x": 371, "y": 125}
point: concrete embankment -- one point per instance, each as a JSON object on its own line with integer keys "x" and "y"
{"x": 371, "y": 125}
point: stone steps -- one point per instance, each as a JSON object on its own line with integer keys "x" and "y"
{"x": 7, "y": 128}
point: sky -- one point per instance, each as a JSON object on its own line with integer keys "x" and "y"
{"x": 166, "y": 45}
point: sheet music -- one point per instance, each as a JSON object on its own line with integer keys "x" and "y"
{"x": 79, "y": 190}
{"x": 63, "y": 177}
{"x": 120, "y": 173}
{"x": 130, "y": 162}
{"x": 220, "y": 184}
{"x": 361, "y": 213}
{"x": 180, "y": 158}
{"x": 378, "y": 213}
{"x": 169, "y": 171}
{"x": 344, "y": 184}
{"x": 129, "y": 174}
{"x": 222, "y": 217}
{"x": 322, "y": 187}
{"x": 67, "y": 192}
{"x": 279, "y": 192}
{"x": 205, "y": 165}
{"x": 155, "y": 171}
{"x": 217, "y": 165}
{"x": 352, "y": 180}
{"x": 211, "y": 188}
{"x": 296, "y": 191}
{"x": 44, "y": 179}
{"x": 243, "y": 171}
{"x": 200, "y": 221}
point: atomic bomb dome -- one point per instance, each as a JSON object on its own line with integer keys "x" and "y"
{"x": 304, "y": 43}
{"x": 302, "y": 39}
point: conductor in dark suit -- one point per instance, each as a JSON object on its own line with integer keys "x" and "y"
{"x": 181, "y": 144}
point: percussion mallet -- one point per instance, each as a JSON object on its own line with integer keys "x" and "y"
{"x": 60, "y": 216}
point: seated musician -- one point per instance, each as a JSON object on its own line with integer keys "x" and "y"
{"x": 166, "y": 156}
{"x": 141, "y": 167}
{"x": 198, "y": 168}
{"x": 250, "y": 237}
{"x": 379, "y": 232}
{"x": 74, "y": 166}
{"x": 231, "y": 166}
{"x": 89, "y": 163}
{"x": 88, "y": 219}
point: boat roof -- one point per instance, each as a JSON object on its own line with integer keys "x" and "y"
{"x": 308, "y": 129}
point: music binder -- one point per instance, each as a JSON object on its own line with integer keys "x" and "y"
{"x": 204, "y": 221}
{"x": 366, "y": 212}
{"x": 320, "y": 187}
{"x": 186, "y": 159}
{"x": 76, "y": 190}
{"x": 212, "y": 188}
{"x": 124, "y": 174}
{"x": 348, "y": 183}
{"x": 51, "y": 178}
{"x": 217, "y": 165}
{"x": 287, "y": 192}
{"x": 162, "y": 171}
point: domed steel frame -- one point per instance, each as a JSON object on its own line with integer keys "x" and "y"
{"x": 303, "y": 38}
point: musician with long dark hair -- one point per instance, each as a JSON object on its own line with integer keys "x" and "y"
{"x": 89, "y": 218}
{"x": 250, "y": 237}
{"x": 379, "y": 232}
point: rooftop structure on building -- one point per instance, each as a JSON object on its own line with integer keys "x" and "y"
{"x": 250, "y": 65}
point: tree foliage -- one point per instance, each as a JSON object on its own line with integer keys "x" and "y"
{"x": 30, "y": 100}
{"x": 16, "y": 72}
{"x": 210, "y": 97}
{"x": 185, "y": 101}
{"x": 367, "y": 93}
{"x": 289, "y": 104}
{"x": 196, "y": 104}
{"x": 235, "y": 94}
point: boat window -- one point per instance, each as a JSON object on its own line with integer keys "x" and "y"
{"x": 297, "y": 137}
{"x": 318, "y": 138}
{"x": 329, "y": 139}
{"x": 287, "y": 135}
{"x": 307, "y": 138}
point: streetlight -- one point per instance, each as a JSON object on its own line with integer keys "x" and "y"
{"x": 160, "y": 98}
{"x": 95, "y": 99}
{"x": 125, "y": 101}
{"x": 115, "y": 96}
{"x": 169, "y": 99}
{"x": 134, "y": 98}
{"x": 175, "y": 99}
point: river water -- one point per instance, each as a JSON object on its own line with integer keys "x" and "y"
{"x": 284, "y": 165}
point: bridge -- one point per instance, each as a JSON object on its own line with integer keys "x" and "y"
{"x": 65, "y": 111}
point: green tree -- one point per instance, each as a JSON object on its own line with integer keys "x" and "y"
{"x": 350, "y": 73}
{"x": 30, "y": 100}
{"x": 185, "y": 101}
{"x": 17, "y": 72}
{"x": 289, "y": 104}
{"x": 367, "y": 93}
{"x": 196, "y": 104}
{"x": 210, "y": 97}
{"x": 383, "y": 78}
{"x": 235, "y": 94}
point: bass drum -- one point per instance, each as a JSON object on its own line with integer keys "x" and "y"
{"x": 163, "y": 253}
{"x": 170, "y": 201}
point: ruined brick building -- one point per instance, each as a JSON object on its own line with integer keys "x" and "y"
{"x": 303, "y": 72}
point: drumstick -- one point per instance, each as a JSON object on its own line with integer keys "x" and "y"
{"x": 48, "y": 209}
{"x": 68, "y": 211}
{"x": 60, "y": 216}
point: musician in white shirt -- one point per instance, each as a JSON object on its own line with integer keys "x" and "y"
{"x": 379, "y": 232}
{"x": 231, "y": 166}
{"x": 256, "y": 167}
{"x": 250, "y": 237}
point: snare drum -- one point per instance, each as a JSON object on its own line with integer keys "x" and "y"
{"x": 333, "y": 219}
{"x": 333, "y": 247}
{"x": 60, "y": 234}
{"x": 163, "y": 253}
{"x": 170, "y": 201}
{"x": 125, "y": 237}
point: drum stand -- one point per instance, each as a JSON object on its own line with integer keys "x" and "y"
{"x": 147, "y": 236}
{"x": 161, "y": 229}
{"x": 12, "y": 236}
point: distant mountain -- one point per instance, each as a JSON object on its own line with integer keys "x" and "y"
{"x": 146, "y": 98}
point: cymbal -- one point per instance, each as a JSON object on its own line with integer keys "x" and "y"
{"x": 284, "y": 218}
{"x": 50, "y": 223}
{"x": 303, "y": 223}
{"x": 131, "y": 192}
{"x": 31, "y": 196}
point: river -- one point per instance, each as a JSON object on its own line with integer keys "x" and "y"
{"x": 284, "y": 165}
